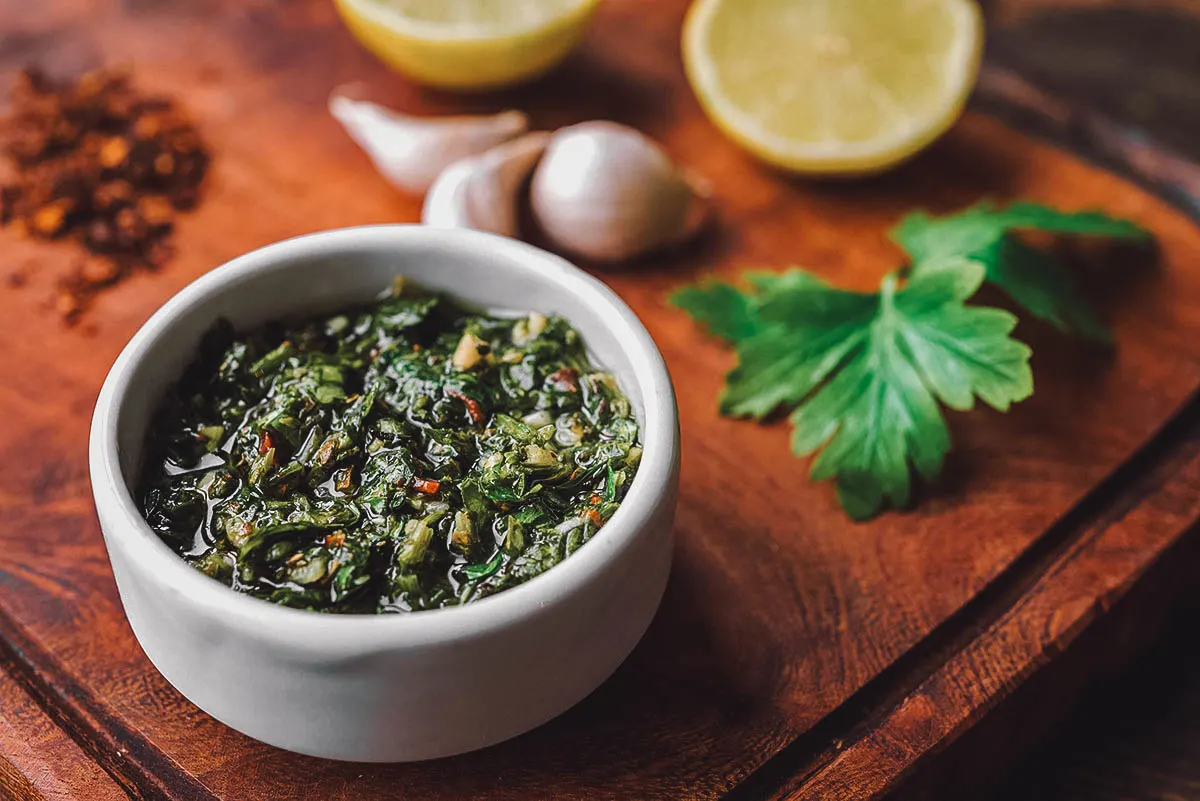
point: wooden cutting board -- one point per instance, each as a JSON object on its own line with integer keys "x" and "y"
{"x": 796, "y": 655}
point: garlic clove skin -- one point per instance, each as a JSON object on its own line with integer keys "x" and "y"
{"x": 607, "y": 192}
{"x": 481, "y": 192}
{"x": 409, "y": 151}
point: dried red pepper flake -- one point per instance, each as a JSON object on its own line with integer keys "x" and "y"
{"x": 565, "y": 379}
{"x": 324, "y": 454}
{"x": 99, "y": 272}
{"x": 426, "y": 485}
{"x": 343, "y": 480}
{"x": 473, "y": 407}
{"x": 335, "y": 539}
{"x": 102, "y": 164}
{"x": 265, "y": 442}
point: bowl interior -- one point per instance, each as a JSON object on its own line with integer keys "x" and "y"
{"x": 324, "y": 272}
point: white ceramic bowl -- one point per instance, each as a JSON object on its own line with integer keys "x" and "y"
{"x": 403, "y": 686}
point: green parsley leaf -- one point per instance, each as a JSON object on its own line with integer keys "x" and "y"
{"x": 807, "y": 329}
{"x": 1042, "y": 287}
{"x": 863, "y": 372}
{"x": 723, "y": 310}
{"x": 864, "y": 375}
{"x": 727, "y": 312}
{"x": 985, "y": 233}
{"x": 969, "y": 231}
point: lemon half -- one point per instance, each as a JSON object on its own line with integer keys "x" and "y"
{"x": 833, "y": 87}
{"x": 468, "y": 44}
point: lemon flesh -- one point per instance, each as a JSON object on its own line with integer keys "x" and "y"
{"x": 833, "y": 87}
{"x": 468, "y": 44}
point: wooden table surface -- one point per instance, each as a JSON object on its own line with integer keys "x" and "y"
{"x": 796, "y": 655}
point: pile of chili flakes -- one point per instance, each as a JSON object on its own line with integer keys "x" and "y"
{"x": 98, "y": 163}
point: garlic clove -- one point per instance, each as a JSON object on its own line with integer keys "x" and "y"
{"x": 607, "y": 192}
{"x": 412, "y": 151}
{"x": 481, "y": 192}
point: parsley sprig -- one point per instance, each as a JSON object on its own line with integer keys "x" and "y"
{"x": 1035, "y": 282}
{"x": 863, "y": 373}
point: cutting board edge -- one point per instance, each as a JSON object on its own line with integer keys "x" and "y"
{"x": 1054, "y": 595}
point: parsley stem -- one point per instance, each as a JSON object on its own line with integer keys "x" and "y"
{"x": 887, "y": 293}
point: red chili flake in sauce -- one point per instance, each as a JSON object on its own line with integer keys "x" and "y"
{"x": 473, "y": 407}
{"x": 565, "y": 379}
{"x": 426, "y": 485}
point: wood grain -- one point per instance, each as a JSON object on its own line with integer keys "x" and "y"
{"x": 14, "y": 785}
{"x": 39, "y": 760}
{"x": 83, "y": 722}
{"x": 780, "y": 613}
{"x": 1125, "y": 625}
{"x": 1116, "y": 536}
{"x": 1155, "y": 751}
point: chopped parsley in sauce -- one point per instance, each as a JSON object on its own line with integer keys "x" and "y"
{"x": 407, "y": 455}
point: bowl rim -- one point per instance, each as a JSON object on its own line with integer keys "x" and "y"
{"x": 652, "y": 484}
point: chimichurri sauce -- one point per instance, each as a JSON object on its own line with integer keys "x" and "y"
{"x": 407, "y": 455}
